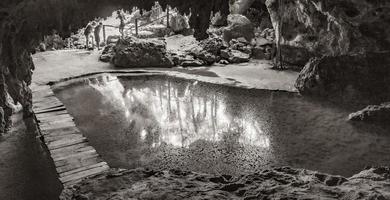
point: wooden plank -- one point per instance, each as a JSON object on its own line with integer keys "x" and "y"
{"x": 45, "y": 100}
{"x": 51, "y": 114}
{"x": 57, "y": 126}
{"x": 69, "y": 149}
{"x": 80, "y": 154}
{"x": 56, "y": 123}
{"x": 83, "y": 169}
{"x": 59, "y": 154}
{"x": 51, "y": 119}
{"x": 60, "y": 131}
{"x": 83, "y": 174}
{"x": 75, "y": 165}
{"x": 76, "y": 161}
{"x": 46, "y": 110}
{"x": 65, "y": 142}
{"x": 49, "y": 139}
{"x": 63, "y": 120}
{"x": 46, "y": 104}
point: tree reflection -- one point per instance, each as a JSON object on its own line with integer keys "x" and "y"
{"x": 181, "y": 115}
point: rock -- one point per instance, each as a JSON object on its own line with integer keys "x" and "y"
{"x": 207, "y": 57}
{"x": 178, "y": 23}
{"x": 356, "y": 78}
{"x": 235, "y": 56}
{"x": 223, "y": 62}
{"x": 240, "y": 6}
{"x": 219, "y": 20}
{"x": 238, "y": 26}
{"x": 112, "y": 39}
{"x": 241, "y": 44}
{"x": 260, "y": 41}
{"x": 268, "y": 34}
{"x": 192, "y": 63}
{"x": 328, "y": 27}
{"x": 259, "y": 53}
{"x": 132, "y": 52}
{"x": 107, "y": 53}
{"x": 276, "y": 183}
{"x": 297, "y": 56}
{"x": 213, "y": 45}
{"x": 42, "y": 47}
{"x": 373, "y": 113}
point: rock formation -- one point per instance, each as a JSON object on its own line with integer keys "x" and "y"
{"x": 133, "y": 52}
{"x": 329, "y": 27}
{"x": 278, "y": 183}
{"x": 179, "y": 23}
{"x": 362, "y": 78}
{"x": 238, "y": 26}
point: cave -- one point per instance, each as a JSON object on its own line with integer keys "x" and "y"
{"x": 200, "y": 99}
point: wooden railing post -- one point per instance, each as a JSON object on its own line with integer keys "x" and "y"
{"x": 167, "y": 16}
{"x": 104, "y": 34}
{"x": 136, "y": 26}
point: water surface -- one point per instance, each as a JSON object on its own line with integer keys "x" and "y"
{"x": 162, "y": 122}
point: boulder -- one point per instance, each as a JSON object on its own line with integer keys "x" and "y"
{"x": 178, "y": 23}
{"x": 238, "y": 26}
{"x": 235, "y": 56}
{"x": 132, "y": 52}
{"x": 373, "y": 113}
{"x": 350, "y": 78}
{"x": 107, "y": 53}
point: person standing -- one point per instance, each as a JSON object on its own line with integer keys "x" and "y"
{"x": 97, "y": 30}
{"x": 121, "y": 18}
{"x": 87, "y": 32}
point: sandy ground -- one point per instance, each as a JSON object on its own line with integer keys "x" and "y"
{"x": 56, "y": 65}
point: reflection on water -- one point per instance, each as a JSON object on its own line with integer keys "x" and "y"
{"x": 161, "y": 122}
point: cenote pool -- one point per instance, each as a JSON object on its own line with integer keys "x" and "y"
{"x": 156, "y": 121}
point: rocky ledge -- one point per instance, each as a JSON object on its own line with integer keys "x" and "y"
{"x": 373, "y": 113}
{"x": 278, "y": 183}
{"x": 359, "y": 78}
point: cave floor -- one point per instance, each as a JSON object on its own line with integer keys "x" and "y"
{"x": 57, "y": 65}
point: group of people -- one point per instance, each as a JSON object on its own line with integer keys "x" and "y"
{"x": 95, "y": 29}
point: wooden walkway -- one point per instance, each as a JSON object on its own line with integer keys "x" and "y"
{"x": 73, "y": 157}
